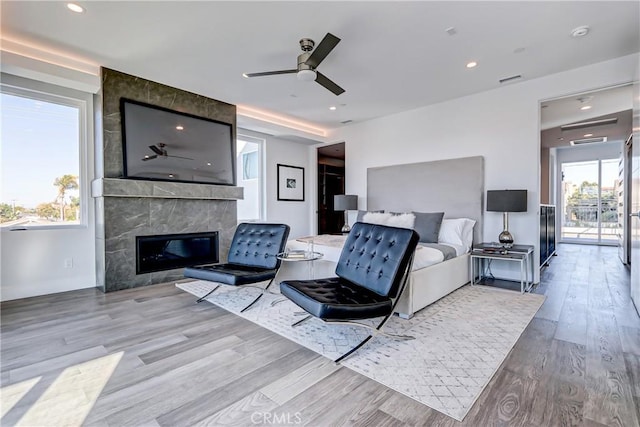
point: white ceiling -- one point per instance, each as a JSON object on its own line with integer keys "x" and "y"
{"x": 394, "y": 56}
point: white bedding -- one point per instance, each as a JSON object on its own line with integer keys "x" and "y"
{"x": 331, "y": 247}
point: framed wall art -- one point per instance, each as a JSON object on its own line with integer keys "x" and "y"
{"x": 290, "y": 183}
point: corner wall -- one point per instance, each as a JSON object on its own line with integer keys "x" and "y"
{"x": 295, "y": 214}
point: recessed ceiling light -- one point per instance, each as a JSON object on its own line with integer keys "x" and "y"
{"x": 587, "y": 135}
{"x": 75, "y": 7}
{"x": 245, "y": 75}
{"x": 146, "y": 157}
{"x": 208, "y": 164}
{"x": 472, "y": 64}
{"x": 170, "y": 175}
{"x": 179, "y": 127}
{"x": 333, "y": 108}
{"x": 585, "y": 107}
{"x": 580, "y": 31}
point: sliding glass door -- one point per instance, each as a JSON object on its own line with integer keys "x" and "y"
{"x": 590, "y": 202}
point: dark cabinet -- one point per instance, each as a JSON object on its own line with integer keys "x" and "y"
{"x": 330, "y": 183}
{"x": 547, "y": 233}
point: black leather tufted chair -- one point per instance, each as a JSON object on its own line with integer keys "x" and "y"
{"x": 252, "y": 258}
{"x": 372, "y": 272}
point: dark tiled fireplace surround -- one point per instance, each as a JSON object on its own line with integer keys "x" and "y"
{"x": 130, "y": 208}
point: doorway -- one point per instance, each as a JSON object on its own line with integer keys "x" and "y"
{"x": 331, "y": 181}
{"x": 589, "y": 202}
{"x": 583, "y": 164}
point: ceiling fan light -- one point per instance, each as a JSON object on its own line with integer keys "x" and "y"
{"x": 306, "y": 75}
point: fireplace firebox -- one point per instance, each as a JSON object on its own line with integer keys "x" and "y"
{"x": 171, "y": 251}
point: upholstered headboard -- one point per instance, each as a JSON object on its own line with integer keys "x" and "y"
{"x": 455, "y": 187}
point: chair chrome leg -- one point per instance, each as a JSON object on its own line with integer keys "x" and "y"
{"x": 376, "y": 331}
{"x": 208, "y": 293}
{"x": 252, "y": 302}
{"x": 348, "y": 353}
{"x": 277, "y": 301}
{"x": 300, "y": 321}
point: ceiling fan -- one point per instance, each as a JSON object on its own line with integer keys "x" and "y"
{"x": 308, "y": 61}
{"x": 161, "y": 152}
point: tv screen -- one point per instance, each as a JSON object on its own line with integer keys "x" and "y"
{"x": 166, "y": 145}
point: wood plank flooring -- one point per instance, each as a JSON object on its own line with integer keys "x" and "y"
{"x": 150, "y": 356}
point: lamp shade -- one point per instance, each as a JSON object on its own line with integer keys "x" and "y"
{"x": 507, "y": 200}
{"x": 345, "y": 202}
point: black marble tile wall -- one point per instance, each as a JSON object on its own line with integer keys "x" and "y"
{"x": 129, "y": 208}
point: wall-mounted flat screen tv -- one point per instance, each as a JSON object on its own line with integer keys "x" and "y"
{"x": 165, "y": 145}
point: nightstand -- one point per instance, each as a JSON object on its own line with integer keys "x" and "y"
{"x": 482, "y": 255}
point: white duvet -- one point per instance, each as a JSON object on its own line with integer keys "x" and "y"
{"x": 331, "y": 247}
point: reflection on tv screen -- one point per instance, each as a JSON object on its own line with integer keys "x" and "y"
{"x": 167, "y": 145}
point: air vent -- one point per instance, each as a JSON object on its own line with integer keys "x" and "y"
{"x": 589, "y": 140}
{"x": 510, "y": 79}
{"x": 582, "y": 125}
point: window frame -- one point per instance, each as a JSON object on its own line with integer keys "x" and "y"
{"x": 46, "y": 92}
{"x": 262, "y": 197}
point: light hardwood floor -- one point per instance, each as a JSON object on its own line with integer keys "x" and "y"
{"x": 150, "y": 356}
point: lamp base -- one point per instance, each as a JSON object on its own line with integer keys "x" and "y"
{"x": 345, "y": 227}
{"x": 506, "y": 239}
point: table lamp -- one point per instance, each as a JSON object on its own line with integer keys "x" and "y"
{"x": 506, "y": 201}
{"x": 346, "y": 203}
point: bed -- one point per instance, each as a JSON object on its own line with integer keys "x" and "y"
{"x": 454, "y": 186}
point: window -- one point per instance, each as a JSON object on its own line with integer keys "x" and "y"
{"x": 250, "y": 165}
{"x": 250, "y": 176}
{"x": 43, "y": 140}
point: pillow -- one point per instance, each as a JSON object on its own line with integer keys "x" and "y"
{"x": 451, "y": 231}
{"x": 467, "y": 233}
{"x": 457, "y": 231}
{"x": 427, "y": 225}
{"x": 387, "y": 218}
{"x": 406, "y": 220}
{"x": 376, "y": 218}
{"x": 361, "y": 215}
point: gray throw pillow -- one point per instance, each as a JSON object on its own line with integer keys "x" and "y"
{"x": 427, "y": 225}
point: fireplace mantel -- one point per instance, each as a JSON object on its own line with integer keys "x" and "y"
{"x": 118, "y": 187}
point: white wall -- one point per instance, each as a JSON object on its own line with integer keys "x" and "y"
{"x": 33, "y": 262}
{"x": 295, "y": 214}
{"x": 503, "y": 125}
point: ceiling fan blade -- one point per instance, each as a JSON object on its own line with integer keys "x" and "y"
{"x": 270, "y": 73}
{"x": 328, "y": 84}
{"x": 156, "y": 150}
{"x": 322, "y": 50}
{"x": 149, "y": 157}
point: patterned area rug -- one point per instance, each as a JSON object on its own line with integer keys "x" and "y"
{"x": 460, "y": 342}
